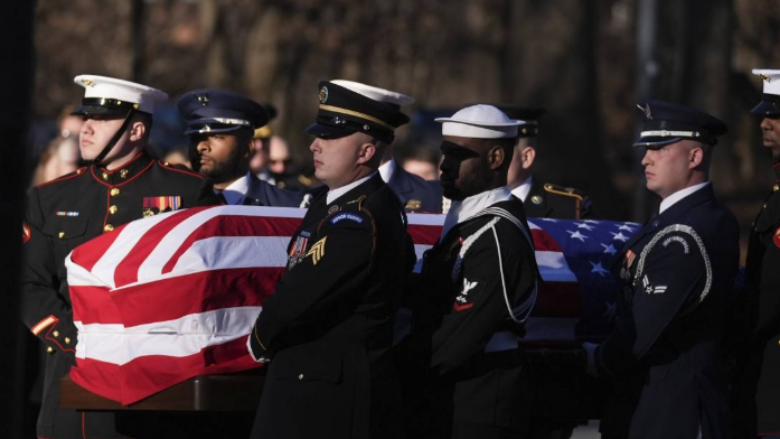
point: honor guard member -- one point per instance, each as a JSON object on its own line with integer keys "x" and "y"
{"x": 416, "y": 194}
{"x": 677, "y": 275}
{"x": 477, "y": 288}
{"x": 328, "y": 329}
{"x": 220, "y": 125}
{"x": 541, "y": 200}
{"x": 122, "y": 183}
{"x": 757, "y": 409}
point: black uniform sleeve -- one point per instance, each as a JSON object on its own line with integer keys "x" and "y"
{"x": 768, "y": 318}
{"x": 312, "y": 295}
{"x": 482, "y": 306}
{"x": 672, "y": 282}
{"x": 44, "y": 311}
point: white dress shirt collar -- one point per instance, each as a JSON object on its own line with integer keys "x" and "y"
{"x": 460, "y": 211}
{"x": 387, "y": 170}
{"x": 522, "y": 191}
{"x": 333, "y": 194}
{"x": 234, "y": 194}
{"x": 671, "y": 200}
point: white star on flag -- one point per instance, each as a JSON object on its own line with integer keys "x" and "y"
{"x": 626, "y": 227}
{"x": 611, "y": 310}
{"x": 597, "y": 268}
{"x": 619, "y": 236}
{"x": 609, "y": 249}
{"x": 549, "y": 220}
{"x": 591, "y": 221}
{"x": 577, "y": 235}
{"x": 585, "y": 226}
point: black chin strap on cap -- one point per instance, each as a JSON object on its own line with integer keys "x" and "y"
{"x": 112, "y": 142}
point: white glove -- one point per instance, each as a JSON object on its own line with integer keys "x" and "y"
{"x": 262, "y": 359}
{"x": 590, "y": 368}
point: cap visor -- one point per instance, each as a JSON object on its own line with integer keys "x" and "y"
{"x": 656, "y": 142}
{"x": 87, "y": 110}
{"x": 328, "y": 131}
{"x": 212, "y": 129}
{"x": 765, "y": 108}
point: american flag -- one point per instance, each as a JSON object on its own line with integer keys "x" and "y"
{"x": 167, "y": 298}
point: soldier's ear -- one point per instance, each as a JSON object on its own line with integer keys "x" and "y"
{"x": 528, "y": 155}
{"x": 366, "y": 152}
{"x": 497, "y": 156}
{"x": 695, "y": 157}
{"x": 137, "y": 131}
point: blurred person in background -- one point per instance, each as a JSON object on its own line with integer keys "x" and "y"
{"x": 61, "y": 155}
{"x": 261, "y": 147}
{"x": 178, "y": 156}
{"x": 423, "y": 162}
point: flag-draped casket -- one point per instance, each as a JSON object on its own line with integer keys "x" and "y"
{"x": 166, "y": 298}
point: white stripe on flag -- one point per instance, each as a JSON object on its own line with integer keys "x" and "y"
{"x": 553, "y": 267}
{"x": 233, "y": 252}
{"x": 180, "y": 337}
{"x": 80, "y": 276}
{"x": 426, "y": 219}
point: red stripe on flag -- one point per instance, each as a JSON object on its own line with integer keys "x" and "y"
{"x": 87, "y": 255}
{"x": 127, "y": 270}
{"x": 424, "y": 235}
{"x": 195, "y": 293}
{"x": 557, "y": 299}
{"x": 544, "y": 242}
{"x": 93, "y": 305}
{"x": 145, "y": 376}
{"x": 234, "y": 225}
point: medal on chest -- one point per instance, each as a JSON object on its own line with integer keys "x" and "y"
{"x": 298, "y": 249}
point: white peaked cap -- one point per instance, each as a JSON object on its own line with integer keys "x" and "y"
{"x": 375, "y": 93}
{"x": 771, "y": 80}
{"x": 480, "y": 122}
{"x": 103, "y": 87}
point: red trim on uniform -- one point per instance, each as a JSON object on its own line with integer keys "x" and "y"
{"x": 100, "y": 180}
{"x": 171, "y": 168}
{"x": 140, "y": 154}
{"x": 43, "y": 324}
{"x": 457, "y": 308}
{"x": 79, "y": 172}
{"x": 54, "y": 340}
{"x": 26, "y": 233}
{"x": 108, "y": 206}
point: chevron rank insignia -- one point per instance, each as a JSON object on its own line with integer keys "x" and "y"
{"x": 317, "y": 251}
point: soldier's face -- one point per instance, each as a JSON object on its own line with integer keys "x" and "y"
{"x": 770, "y": 128}
{"x": 95, "y": 134}
{"x": 669, "y": 169}
{"x": 464, "y": 168}
{"x": 222, "y": 157}
{"x": 338, "y": 162}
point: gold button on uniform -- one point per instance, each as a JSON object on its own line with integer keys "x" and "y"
{"x": 776, "y": 188}
{"x": 61, "y": 235}
{"x": 113, "y": 209}
{"x": 108, "y": 228}
{"x": 67, "y": 340}
{"x": 124, "y": 173}
{"x": 300, "y": 377}
{"x": 50, "y": 349}
{"x": 55, "y": 334}
{"x": 115, "y": 191}
{"x": 105, "y": 176}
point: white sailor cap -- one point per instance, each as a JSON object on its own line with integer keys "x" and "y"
{"x": 480, "y": 122}
{"x": 112, "y": 96}
{"x": 376, "y": 93}
{"x": 770, "y": 100}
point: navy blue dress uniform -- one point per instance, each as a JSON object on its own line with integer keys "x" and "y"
{"x": 209, "y": 111}
{"x": 327, "y": 329}
{"x": 677, "y": 275}
{"x": 546, "y": 200}
{"x": 464, "y": 373}
{"x": 71, "y": 210}
{"x": 756, "y": 407}
{"x": 417, "y": 194}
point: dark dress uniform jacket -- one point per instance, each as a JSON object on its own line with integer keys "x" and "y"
{"x": 62, "y": 214}
{"x": 328, "y": 326}
{"x": 552, "y": 201}
{"x": 262, "y": 193}
{"x": 463, "y": 371}
{"x": 758, "y": 383}
{"x": 416, "y": 194}
{"x": 666, "y": 351}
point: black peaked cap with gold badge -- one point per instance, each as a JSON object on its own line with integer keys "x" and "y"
{"x": 216, "y": 111}
{"x": 348, "y": 107}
